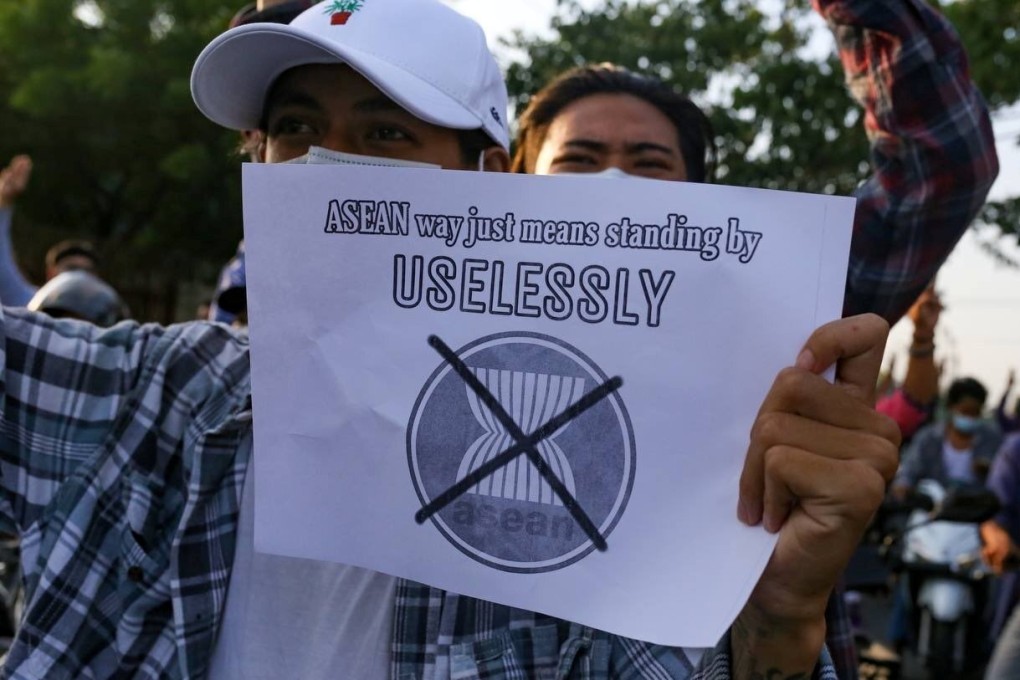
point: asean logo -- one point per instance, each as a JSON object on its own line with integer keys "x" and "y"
{"x": 521, "y": 451}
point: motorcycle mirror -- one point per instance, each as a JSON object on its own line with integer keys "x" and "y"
{"x": 915, "y": 500}
{"x": 972, "y": 506}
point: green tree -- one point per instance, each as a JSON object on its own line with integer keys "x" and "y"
{"x": 98, "y": 93}
{"x": 991, "y": 31}
{"x": 782, "y": 113}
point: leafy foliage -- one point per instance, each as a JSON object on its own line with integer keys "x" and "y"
{"x": 98, "y": 94}
{"x": 991, "y": 31}
{"x": 783, "y": 116}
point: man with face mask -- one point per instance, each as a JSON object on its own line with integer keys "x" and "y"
{"x": 957, "y": 451}
{"x": 127, "y": 456}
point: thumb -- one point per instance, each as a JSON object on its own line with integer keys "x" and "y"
{"x": 855, "y": 345}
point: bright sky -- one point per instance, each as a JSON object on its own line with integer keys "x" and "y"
{"x": 979, "y": 332}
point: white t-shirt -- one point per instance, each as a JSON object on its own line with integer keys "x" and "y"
{"x": 959, "y": 464}
{"x": 302, "y": 619}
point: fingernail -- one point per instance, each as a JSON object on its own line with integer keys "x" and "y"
{"x": 742, "y": 512}
{"x": 806, "y": 360}
{"x": 751, "y": 517}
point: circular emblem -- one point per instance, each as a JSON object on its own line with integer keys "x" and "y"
{"x": 512, "y": 519}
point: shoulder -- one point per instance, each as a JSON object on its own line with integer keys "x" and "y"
{"x": 187, "y": 360}
{"x": 989, "y": 441}
{"x": 930, "y": 435}
{"x": 198, "y": 356}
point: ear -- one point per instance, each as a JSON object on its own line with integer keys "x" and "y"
{"x": 254, "y": 145}
{"x": 496, "y": 159}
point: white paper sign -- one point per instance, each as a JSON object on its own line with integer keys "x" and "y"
{"x": 543, "y": 289}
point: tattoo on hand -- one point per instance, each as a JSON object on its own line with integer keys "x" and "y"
{"x": 745, "y": 663}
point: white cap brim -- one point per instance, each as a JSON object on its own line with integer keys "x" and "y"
{"x": 233, "y": 74}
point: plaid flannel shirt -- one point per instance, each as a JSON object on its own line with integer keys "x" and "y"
{"x": 122, "y": 471}
{"x": 932, "y": 147}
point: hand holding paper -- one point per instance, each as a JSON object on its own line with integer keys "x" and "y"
{"x": 816, "y": 471}
{"x": 543, "y": 289}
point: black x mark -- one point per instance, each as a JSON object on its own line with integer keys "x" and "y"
{"x": 523, "y": 444}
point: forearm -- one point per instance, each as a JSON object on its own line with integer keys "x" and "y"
{"x": 762, "y": 649}
{"x": 14, "y": 289}
{"x": 910, "y": 467}
{"x": 932, "y": 147}
{"x": 921, "y": 383}
{"x": 1000, "y": 411}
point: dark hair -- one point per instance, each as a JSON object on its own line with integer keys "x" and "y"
{"x": 473, "y": 143}
{"x": 283, "y": 13}
{"x": 71, "y": 248}
{"x": 962, "y": 388}
{"x": 696, "y": 137}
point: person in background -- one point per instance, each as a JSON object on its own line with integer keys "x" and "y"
{"x": 230, "y": 301}
{"x": 65, "y": 256}
{"x": 603, "y": 117}
{"x": 77, "y": 294}
{"x": 14, "y": 288}
{"x": 202, "y": 310}
{"x": 958, "y": 451}
{"x": 1001, "y": 538}
{"x": 911, "y": 404}
{"x": 887, "y": 379}
{"x": 1008, "y": 423}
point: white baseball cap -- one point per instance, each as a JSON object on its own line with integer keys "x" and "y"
{"x": 423, "y": 55}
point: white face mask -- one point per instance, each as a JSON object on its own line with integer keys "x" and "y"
{"x": 609, "y": 173}
{"x": 319, "y": 156}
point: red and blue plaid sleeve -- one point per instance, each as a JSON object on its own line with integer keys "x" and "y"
{"x": 932, "y": 147}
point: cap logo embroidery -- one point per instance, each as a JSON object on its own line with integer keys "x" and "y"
{"x": 340, "y": 11}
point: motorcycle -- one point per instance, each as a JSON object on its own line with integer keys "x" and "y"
{"x": 940, "y": 560}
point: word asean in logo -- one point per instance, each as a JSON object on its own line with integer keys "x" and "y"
{"x": 501, "y": 498}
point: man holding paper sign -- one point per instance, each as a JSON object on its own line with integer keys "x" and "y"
{"x": 125, "y": 459}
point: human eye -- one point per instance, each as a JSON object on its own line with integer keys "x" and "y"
{"x": 291, "y": 126}
{"x": 575, "y": 162}
{"x": 654, "y": 167}
{"x": 389, "y": 133}
{"x": 653, "y": 164}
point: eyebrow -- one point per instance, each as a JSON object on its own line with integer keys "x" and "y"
{"x": 634, "y": 147}
{"x": 291, "y": 98}
{"x": 299, "y": 98}
{"x": 377, "y": 104}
